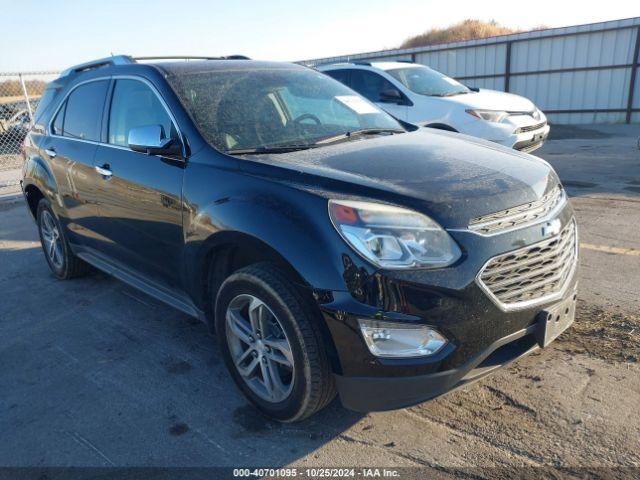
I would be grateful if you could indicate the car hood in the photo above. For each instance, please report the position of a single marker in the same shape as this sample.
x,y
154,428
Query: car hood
x,y
492,100
450,176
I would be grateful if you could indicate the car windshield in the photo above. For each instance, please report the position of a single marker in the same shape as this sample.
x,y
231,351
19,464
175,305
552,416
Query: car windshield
x,y
425,81
269,106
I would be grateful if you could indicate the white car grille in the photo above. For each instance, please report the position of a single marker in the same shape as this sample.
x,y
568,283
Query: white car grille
x,y
531,128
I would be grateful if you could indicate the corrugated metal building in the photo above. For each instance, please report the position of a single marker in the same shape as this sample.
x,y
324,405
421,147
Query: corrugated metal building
x,y
578,74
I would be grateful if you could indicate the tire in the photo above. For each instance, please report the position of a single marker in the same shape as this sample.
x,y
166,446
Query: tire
x,y
303,389
62,261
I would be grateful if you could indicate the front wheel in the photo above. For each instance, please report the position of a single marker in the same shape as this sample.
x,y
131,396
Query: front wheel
x,y
272,345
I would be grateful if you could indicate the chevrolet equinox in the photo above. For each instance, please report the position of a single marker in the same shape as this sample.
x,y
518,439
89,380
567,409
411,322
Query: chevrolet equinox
x,y
330,247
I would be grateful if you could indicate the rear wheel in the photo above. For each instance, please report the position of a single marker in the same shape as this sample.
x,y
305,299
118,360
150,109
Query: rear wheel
x,y
62,262
272,345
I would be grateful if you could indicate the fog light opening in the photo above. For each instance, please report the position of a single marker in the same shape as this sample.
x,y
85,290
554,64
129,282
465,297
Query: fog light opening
x,y
399,340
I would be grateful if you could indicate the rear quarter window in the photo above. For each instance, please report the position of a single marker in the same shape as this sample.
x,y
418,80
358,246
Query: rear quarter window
x,y
59,120
43,105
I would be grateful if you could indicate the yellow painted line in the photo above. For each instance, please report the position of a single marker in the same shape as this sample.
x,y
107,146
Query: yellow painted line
x,y
606,248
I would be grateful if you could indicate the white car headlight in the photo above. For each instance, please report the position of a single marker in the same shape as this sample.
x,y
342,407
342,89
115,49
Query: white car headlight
x,y
393,237
537,114
388,339
488,115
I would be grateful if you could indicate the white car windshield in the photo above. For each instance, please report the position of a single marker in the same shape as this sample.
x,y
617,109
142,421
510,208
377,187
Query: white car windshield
x,y
425,81
265,107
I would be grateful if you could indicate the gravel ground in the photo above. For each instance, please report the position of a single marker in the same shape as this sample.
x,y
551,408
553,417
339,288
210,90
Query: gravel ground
x,y
93,373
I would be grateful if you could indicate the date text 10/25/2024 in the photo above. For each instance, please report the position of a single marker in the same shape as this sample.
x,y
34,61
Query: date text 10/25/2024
x,y
316,472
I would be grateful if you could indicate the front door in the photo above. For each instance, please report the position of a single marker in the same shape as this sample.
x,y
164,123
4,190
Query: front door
x,y
140,196
371,86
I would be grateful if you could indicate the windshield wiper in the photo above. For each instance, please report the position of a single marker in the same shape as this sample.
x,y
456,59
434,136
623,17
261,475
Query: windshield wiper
x,y
270,149
357,133
450,94
305,146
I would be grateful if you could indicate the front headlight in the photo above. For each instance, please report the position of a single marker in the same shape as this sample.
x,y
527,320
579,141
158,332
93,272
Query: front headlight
x,y
537,114
393,237
488,115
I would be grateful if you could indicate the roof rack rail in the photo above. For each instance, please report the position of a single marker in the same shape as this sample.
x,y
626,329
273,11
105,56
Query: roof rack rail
x,y
101,62
405,60
128,60
192,57
345,62
176,57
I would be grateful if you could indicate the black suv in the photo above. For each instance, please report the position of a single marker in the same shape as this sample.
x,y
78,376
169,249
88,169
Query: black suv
x,y
330,247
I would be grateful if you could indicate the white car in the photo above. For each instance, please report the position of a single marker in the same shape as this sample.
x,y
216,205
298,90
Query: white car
x,y
422,96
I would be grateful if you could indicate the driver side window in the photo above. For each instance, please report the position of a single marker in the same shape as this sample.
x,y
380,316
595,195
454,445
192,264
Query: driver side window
x,y
134,104
370,85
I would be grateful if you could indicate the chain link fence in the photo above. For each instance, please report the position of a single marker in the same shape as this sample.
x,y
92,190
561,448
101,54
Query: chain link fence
x,y
19,97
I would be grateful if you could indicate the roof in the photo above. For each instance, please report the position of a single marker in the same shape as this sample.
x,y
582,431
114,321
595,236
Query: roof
x,y
185,68
380,65
392,65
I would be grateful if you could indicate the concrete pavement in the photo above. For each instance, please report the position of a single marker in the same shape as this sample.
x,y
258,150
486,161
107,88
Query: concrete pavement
x,y
94,373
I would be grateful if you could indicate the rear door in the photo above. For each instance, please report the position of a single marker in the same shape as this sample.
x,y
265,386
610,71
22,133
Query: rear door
x,y
140,203
70,148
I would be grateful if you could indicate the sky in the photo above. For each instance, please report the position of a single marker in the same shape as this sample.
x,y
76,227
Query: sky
x,y
54,34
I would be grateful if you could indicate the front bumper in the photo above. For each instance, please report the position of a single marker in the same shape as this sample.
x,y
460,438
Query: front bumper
x,y
526,141
367,394
482,336
530,141
519,132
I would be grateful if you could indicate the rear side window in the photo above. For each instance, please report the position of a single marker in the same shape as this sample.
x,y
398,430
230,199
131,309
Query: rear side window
x,y
340,75
369,84
133,105
83,111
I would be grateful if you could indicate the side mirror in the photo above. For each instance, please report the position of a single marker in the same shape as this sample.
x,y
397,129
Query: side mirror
x,y
390,96
150,139
473,89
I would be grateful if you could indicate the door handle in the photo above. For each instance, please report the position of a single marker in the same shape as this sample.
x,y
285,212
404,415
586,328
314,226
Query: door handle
x,y
104,170
51,152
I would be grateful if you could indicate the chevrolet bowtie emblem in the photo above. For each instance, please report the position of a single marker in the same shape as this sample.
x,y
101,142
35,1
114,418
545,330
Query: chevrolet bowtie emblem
x,y
551,228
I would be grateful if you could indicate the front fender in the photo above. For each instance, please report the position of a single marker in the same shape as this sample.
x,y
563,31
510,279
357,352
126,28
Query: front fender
x,y
288,220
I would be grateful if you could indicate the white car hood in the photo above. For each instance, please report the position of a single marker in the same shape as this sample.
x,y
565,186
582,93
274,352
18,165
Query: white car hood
x,y
493,100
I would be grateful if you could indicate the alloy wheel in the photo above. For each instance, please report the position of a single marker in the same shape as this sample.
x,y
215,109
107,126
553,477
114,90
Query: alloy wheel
x,y
259,348
51,240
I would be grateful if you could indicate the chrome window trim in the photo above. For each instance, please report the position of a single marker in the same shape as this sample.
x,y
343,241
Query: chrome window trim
x,y
535,301
114,77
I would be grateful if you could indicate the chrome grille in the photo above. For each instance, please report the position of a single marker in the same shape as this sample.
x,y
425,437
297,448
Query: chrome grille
x,y
533,274
531,128
520,216
528,146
